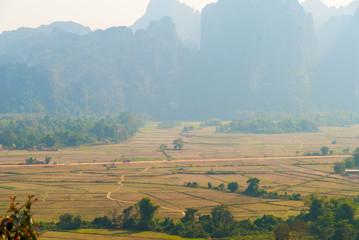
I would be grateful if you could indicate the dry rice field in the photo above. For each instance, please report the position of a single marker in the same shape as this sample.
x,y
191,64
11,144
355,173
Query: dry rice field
x,y
77,186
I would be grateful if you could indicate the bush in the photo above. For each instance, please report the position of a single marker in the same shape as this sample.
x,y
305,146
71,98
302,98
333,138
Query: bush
x,y
102,222
233,186
19,224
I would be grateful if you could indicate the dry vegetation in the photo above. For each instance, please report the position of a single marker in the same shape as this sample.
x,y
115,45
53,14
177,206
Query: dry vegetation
x,y
95,190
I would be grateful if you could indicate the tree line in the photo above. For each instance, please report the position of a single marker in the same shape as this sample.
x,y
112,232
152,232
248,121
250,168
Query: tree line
x,y
323,218
267,126
53,133
351,162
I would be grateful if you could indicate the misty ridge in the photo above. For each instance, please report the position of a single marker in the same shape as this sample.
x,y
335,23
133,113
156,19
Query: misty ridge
x,y
178,63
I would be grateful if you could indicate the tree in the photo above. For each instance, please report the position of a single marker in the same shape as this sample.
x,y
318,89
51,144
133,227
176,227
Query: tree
x,y
30,160
253,187
268,222
221,186
48,159
346,150
221,215
282,232
349,163
50,140
163,147
128,218
339,167
233,186
345,211
356,157
223,221
102,222
299,230
209,185
315,209
146,210
189,215
324,150
178,144
8,138
66,222
344,231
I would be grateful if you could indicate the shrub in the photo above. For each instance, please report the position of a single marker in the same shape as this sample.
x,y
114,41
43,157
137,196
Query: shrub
x,y
19,224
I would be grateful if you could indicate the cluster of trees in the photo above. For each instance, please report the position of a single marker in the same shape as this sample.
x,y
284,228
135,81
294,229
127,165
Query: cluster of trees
x,y
232,186
254,190
168,124
323,218
188,128
348,163
211,122
51,133
177,145
32,160
267,126
324,151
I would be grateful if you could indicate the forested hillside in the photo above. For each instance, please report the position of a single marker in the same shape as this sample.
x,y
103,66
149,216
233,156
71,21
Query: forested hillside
x,y
253,55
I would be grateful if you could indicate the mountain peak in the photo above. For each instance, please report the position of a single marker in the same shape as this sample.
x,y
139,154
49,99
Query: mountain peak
x,y
321,12
186,19
68,26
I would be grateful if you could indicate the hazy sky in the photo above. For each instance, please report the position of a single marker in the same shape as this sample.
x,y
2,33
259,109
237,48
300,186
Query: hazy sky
x,y
93,13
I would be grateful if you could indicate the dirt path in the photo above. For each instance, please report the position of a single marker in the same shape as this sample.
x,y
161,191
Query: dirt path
x,y
120,184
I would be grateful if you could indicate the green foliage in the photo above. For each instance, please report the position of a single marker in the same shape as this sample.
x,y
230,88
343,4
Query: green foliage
x,y
233,186
253,187
348,163
49,133
189,215
282,232
324,218
193,185
102,222
339,167
268,222
30,160
267,126
177,144
19,224
146,210
69,222
188,129
324,150
221,186
140,216
211,122
48,159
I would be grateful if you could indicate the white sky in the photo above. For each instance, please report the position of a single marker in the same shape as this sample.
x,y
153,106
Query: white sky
x,y
93,13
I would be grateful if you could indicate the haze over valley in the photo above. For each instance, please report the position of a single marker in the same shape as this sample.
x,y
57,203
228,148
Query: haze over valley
x,y
192,119
175,63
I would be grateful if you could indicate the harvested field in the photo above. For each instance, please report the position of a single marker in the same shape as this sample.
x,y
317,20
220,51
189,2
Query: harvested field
x,y
91,187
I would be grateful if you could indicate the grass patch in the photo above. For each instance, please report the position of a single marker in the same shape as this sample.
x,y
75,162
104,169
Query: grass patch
x,y
8,187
